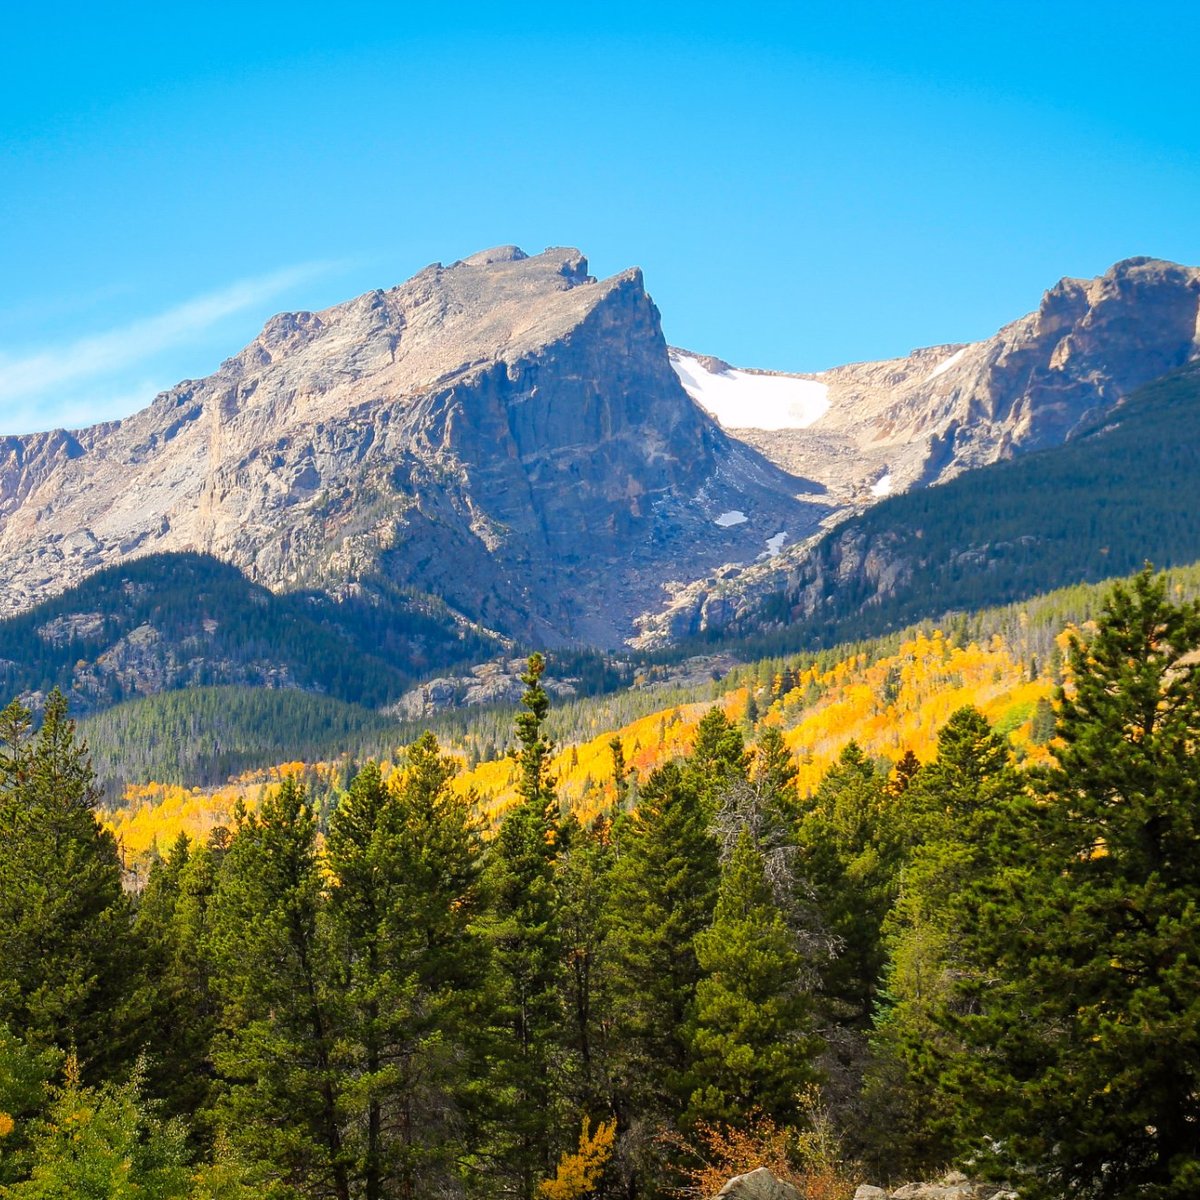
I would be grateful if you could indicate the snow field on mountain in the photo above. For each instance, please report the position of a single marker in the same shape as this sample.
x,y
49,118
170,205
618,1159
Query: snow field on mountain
x,y
944,366
741,400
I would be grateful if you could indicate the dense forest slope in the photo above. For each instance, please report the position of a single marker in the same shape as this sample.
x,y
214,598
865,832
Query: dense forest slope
x,y
170,621
1124,490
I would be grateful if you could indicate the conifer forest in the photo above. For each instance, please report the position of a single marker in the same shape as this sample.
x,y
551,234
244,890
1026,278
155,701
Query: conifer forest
x,y
969,951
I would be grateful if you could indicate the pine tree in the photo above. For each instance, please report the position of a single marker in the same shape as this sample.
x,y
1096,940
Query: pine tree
x,y
404,858
661,896
903,773
67,967
718,758
620,772
1091,931
525,938
749,1032
178,1001
274,974
954,809
848,858
583,877
775,771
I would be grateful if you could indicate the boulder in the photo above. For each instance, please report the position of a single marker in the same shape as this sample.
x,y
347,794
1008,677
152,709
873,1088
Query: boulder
x,y
758,1185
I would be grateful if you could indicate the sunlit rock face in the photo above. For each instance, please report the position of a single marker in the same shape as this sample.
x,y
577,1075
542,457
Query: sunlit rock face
x,y
505,433
868,429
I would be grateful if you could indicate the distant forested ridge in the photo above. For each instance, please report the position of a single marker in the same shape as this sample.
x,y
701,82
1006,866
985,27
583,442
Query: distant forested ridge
x,y
169,621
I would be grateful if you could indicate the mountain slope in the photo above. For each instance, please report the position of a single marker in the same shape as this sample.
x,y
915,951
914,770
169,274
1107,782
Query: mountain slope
x,y
1125,490
170,621
505,433
870,429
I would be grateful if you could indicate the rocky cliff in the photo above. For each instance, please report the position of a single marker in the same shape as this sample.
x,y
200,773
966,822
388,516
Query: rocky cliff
x,y
512,436
505,433
871,429
1124,490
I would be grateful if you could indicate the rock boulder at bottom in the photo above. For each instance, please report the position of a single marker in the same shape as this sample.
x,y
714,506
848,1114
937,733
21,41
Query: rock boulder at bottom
x,y
758,1185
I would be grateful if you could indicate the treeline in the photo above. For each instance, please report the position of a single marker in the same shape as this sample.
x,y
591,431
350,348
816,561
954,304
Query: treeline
x,y
960,962
203,736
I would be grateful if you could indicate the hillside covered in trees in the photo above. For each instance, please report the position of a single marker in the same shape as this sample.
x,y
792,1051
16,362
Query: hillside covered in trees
x,y
1122,490
185,620
985,953
889,694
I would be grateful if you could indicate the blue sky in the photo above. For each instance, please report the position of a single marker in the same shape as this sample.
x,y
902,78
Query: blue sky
x,y
804,185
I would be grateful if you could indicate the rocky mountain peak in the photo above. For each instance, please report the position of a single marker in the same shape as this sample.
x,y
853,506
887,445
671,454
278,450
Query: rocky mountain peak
x,y
505,432
887,426
497,254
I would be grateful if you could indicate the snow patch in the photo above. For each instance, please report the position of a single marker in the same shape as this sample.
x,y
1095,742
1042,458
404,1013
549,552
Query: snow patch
x,y
883,485
946,365
775,544
741,400
734,517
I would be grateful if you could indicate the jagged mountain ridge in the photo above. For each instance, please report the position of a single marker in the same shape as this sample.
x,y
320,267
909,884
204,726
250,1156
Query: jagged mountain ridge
x,y
511,436
1124,490
926,418
505,433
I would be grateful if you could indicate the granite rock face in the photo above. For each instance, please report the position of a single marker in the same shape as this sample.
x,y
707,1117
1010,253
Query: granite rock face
x,y
509,434
945,409
894,426
505,433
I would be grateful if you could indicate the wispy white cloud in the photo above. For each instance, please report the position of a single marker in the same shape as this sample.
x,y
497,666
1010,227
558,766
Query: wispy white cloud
x,y
79,407
26,377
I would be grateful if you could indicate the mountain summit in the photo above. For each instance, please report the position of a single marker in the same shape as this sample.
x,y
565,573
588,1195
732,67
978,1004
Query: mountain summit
x,y
869,429
505,433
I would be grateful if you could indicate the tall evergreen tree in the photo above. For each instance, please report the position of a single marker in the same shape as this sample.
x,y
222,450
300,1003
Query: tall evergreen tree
x,y
67,965
404,858
583,877
749,1031
775,772
718,758
848,859
178,1001
274,974
955,810
1089,1018
525,939
662,894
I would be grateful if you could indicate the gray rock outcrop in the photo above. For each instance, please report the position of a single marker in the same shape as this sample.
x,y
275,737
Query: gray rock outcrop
x,y
953,1187
759,1184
